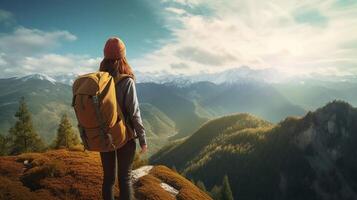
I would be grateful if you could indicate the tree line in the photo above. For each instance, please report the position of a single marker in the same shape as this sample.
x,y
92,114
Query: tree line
x,y
22,136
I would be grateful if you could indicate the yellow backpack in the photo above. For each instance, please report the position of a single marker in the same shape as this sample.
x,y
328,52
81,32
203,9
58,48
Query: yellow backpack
x,y
100,120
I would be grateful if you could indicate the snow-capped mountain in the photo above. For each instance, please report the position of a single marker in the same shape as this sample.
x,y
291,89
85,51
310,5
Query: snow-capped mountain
x,y
38,77
242,74
62,78
234,75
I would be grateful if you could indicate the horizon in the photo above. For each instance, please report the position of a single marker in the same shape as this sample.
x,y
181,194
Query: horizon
x,y
243,74
180,37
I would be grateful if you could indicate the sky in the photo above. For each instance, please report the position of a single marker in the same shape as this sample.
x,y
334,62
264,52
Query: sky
x,y
187,37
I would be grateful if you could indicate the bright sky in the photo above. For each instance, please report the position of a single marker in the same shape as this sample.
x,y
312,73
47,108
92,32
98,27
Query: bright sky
x,y
180,36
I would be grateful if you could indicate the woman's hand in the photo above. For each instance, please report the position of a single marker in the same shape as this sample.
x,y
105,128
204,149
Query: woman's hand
x,y
144,148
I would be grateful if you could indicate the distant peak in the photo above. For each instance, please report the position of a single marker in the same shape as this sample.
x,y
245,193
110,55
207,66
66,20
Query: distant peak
x,y
335,106
38,76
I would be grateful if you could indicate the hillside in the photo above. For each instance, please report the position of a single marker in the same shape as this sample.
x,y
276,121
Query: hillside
x,y
156,123
312,157
178,153
158,126
63,174
47,101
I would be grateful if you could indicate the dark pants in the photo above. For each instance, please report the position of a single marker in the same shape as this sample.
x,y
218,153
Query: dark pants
x,y
120,160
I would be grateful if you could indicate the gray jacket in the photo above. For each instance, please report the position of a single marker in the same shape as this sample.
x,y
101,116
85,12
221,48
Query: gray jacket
x,y
128,102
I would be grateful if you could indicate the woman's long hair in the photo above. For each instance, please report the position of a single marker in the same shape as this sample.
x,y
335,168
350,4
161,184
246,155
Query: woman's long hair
x,y
116,67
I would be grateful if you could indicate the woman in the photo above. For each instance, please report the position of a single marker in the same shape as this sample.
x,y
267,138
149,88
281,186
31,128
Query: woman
x,y
116,64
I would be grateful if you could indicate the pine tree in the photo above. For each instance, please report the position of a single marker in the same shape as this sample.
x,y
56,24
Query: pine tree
x,y
66,136
226,189
4,145
22,134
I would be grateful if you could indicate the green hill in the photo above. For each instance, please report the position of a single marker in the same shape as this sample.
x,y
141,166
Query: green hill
x,y
312,157
187,150
156,123
158,126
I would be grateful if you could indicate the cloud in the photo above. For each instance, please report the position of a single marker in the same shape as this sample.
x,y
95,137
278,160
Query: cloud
x,y
23,41
26,51
179,66
294,37
190,3
54,64
51,64
204,57
177,11
291,36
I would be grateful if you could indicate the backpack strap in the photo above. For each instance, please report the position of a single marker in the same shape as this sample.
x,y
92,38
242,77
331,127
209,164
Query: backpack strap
x,y
80,127
102,130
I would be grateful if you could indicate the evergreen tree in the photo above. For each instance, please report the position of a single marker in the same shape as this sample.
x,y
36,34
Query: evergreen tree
x,y
66,137
201,185
4,145
22,134
226,189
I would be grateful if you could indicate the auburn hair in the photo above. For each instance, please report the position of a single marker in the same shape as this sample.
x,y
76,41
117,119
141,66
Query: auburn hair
x,y
116,67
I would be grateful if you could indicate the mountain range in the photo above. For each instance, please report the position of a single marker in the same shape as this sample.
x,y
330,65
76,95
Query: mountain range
x,y
166,108
177,108
309,157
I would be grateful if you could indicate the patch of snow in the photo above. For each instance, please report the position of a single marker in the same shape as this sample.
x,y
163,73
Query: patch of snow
x,y
140,172
144,170
39,77
169,189
27,164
